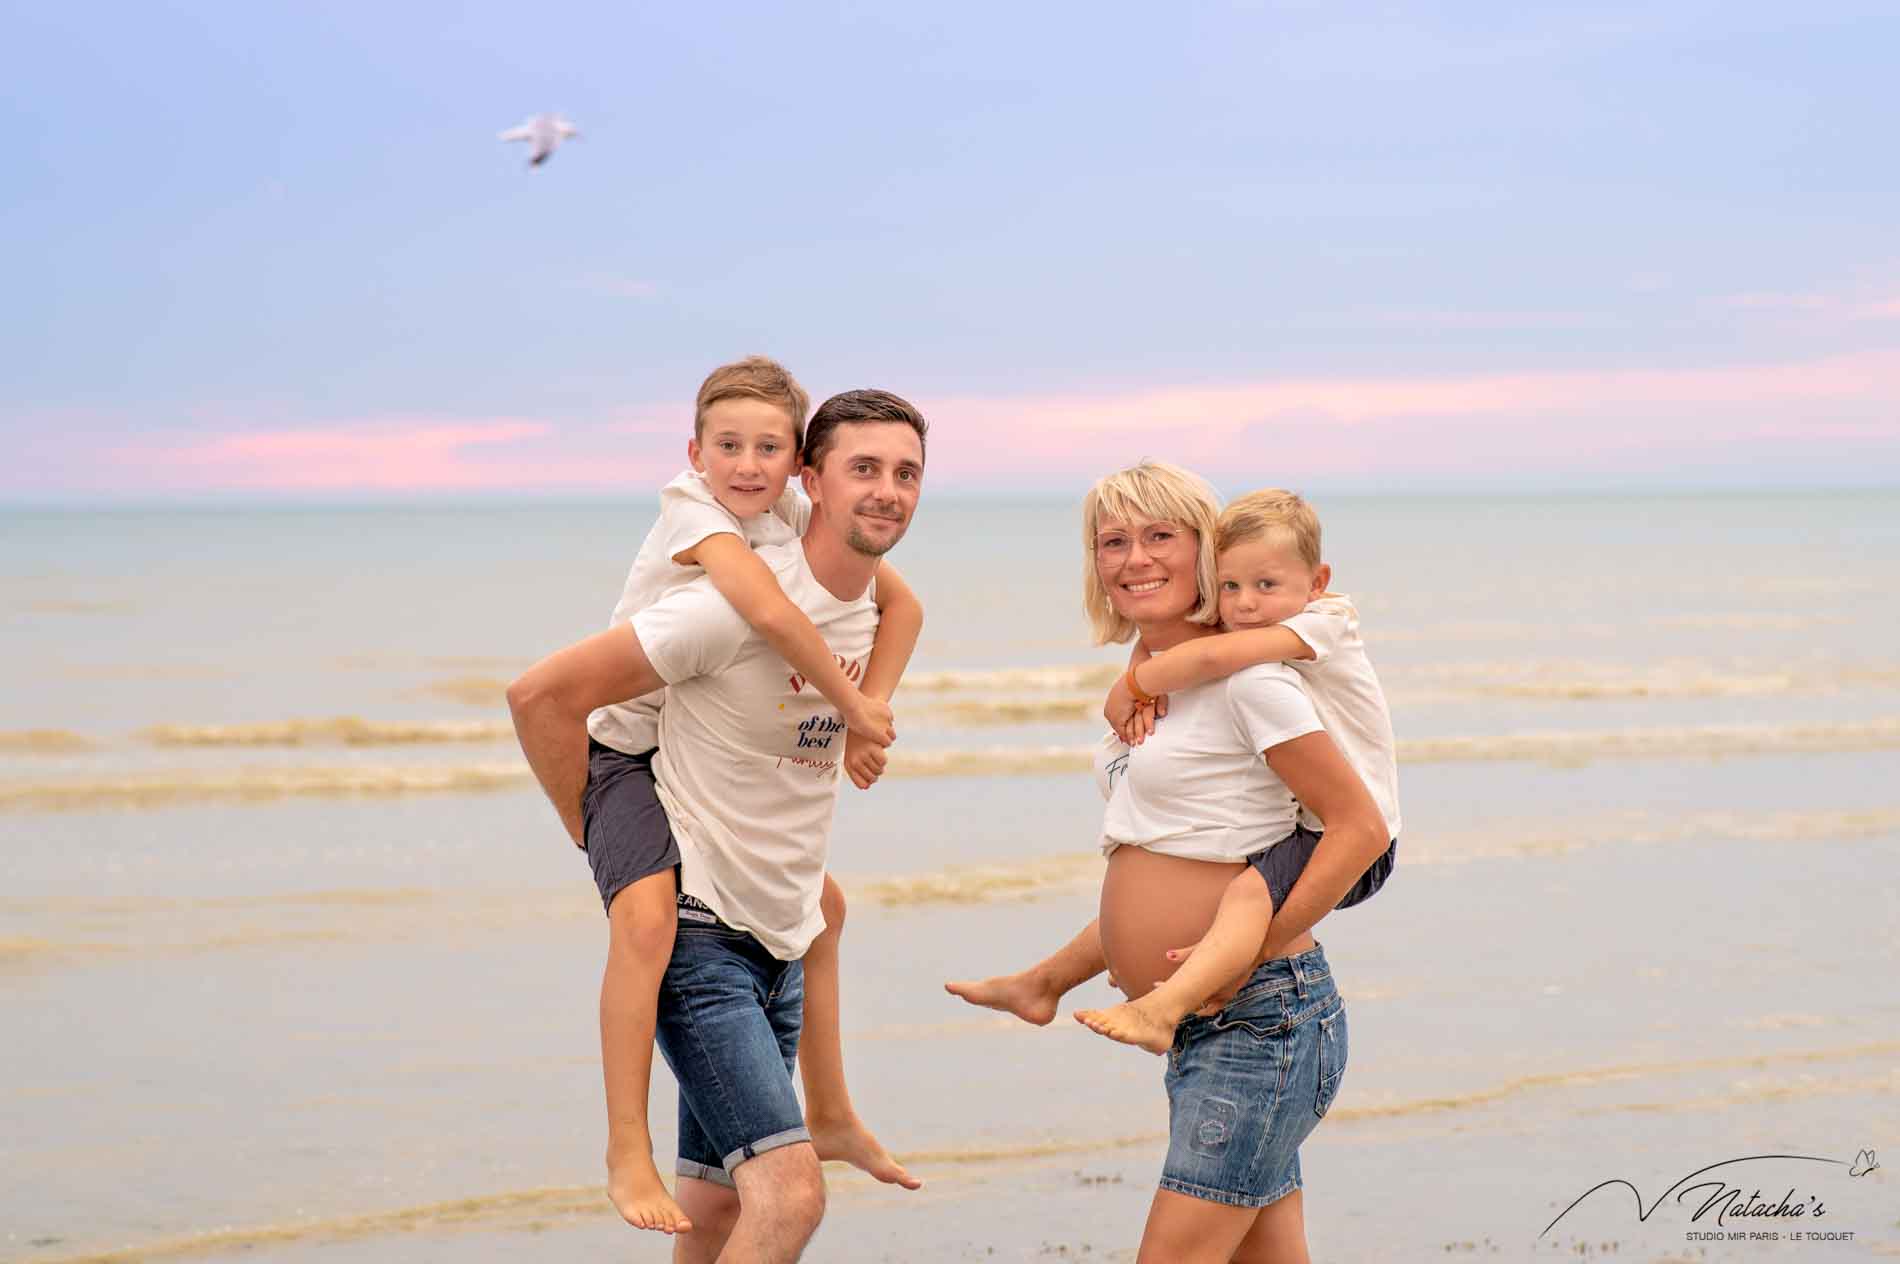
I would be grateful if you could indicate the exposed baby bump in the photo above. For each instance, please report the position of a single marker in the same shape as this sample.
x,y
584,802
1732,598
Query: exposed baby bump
x,y
1151,903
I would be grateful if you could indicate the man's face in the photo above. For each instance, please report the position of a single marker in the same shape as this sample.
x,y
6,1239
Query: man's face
x,y
867,489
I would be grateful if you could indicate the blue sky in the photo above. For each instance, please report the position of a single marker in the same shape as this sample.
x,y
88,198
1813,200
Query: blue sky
x,y
265,248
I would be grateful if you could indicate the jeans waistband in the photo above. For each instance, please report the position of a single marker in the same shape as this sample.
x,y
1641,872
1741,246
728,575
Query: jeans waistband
x,y
1299,974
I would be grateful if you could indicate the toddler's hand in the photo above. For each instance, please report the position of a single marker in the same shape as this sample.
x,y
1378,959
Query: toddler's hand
x,y
864,760
872,718
1120,708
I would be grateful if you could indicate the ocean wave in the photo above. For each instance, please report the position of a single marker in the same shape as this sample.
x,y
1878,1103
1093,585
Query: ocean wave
x,y
256,785
1016,680
1571,748
44,742
1021,710
346,730
476,691
982,884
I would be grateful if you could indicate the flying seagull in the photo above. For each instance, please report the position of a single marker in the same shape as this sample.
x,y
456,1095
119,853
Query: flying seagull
x,y
543,132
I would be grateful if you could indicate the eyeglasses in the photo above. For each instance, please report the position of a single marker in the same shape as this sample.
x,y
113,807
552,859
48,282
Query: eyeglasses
x,y
1156,537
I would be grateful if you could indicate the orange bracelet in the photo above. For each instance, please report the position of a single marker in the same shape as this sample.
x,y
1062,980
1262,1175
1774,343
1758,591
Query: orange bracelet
x,y
1134,686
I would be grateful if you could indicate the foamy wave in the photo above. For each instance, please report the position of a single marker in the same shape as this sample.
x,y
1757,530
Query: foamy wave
x,y
993,761
476,691
44,742
981,884
347,730
1576,748
1020,710
255,785
1097,676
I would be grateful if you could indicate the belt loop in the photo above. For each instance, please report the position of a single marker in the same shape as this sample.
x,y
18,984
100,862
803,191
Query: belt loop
x,y
1299,977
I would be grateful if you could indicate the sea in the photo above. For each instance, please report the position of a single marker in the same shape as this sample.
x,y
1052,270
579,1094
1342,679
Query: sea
x,y
296,963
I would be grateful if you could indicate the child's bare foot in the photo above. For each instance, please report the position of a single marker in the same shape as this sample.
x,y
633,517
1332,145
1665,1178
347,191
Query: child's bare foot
x,y
849,1140
1023,995
1132,1023
633,1183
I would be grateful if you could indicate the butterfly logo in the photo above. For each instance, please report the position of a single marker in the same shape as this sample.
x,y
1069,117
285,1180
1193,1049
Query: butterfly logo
x,y
1864,1162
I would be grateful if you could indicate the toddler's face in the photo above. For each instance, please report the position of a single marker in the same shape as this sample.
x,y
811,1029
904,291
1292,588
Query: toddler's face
x,y
745,451
1263,581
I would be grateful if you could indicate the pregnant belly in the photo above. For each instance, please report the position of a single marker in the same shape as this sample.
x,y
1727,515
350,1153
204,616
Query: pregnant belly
x,y
1151,903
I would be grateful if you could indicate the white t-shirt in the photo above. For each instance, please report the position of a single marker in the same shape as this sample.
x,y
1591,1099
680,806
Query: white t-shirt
x,y
1198,787
688,514
1346,693
749,750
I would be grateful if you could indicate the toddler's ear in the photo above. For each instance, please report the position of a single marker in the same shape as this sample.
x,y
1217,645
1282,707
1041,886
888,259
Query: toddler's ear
x,y
1322,579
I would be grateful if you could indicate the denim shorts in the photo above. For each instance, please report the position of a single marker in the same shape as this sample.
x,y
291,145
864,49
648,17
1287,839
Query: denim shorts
x,y
623,825
1248,1084
1282,864
728,1024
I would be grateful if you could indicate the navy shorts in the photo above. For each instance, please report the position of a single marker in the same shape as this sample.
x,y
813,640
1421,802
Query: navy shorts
x,y
1247,1085
729,1020
1283,863
627,834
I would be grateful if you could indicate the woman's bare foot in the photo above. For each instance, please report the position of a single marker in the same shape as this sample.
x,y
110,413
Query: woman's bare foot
x,y
849,1140
1132,1023
1024,995
633,1183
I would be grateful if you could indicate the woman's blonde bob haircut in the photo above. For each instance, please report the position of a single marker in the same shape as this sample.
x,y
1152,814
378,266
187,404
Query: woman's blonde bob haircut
x,y
1153,491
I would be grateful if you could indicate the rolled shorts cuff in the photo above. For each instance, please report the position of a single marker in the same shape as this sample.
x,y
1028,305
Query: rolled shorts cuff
x,y
1228,1197
752,1150
700,1172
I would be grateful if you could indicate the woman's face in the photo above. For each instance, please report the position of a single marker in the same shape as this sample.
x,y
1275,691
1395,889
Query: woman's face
x,y
1149,568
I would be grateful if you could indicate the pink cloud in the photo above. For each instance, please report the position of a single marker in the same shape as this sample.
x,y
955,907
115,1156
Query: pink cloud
x,y
1489,423
397,455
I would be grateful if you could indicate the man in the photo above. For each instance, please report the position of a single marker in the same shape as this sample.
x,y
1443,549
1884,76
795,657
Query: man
x,y
748,772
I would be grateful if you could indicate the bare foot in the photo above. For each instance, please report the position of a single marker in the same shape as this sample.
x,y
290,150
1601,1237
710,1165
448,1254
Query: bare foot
x,y
1132,1023
1020,994
633,1183
851,1141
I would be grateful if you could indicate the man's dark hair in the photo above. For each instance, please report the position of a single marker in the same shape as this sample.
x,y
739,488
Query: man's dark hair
x,y
856,406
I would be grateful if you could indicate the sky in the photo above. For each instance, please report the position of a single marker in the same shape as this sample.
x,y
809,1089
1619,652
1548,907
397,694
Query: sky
x,y
274,251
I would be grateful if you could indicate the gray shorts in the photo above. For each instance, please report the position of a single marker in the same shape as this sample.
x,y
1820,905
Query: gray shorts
x,y
1283,863
628,835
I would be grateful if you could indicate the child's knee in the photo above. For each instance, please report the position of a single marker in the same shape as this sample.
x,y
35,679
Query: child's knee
x,y
644,915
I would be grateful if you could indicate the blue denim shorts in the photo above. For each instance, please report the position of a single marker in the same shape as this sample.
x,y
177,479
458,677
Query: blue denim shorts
x,y
1248,1084
728,1024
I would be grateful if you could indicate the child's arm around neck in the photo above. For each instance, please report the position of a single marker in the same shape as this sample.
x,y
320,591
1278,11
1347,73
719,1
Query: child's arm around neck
x,y
748,583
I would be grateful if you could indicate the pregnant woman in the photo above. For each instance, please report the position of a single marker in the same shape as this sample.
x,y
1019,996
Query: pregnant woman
x,y
1223,776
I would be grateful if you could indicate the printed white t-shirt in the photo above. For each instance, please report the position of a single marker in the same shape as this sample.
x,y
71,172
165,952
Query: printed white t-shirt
x,y
688,514
1346,693
1198,787
749,750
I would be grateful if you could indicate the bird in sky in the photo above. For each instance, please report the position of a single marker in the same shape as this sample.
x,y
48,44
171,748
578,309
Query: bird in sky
x,y
544,133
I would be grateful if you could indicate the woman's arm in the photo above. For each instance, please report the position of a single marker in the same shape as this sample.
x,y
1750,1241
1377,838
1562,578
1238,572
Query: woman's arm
x,y
753,590
1354,837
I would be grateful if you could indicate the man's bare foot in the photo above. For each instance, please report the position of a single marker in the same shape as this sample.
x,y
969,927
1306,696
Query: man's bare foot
x,y
851,1141
1132,1023
1022,994
633,1183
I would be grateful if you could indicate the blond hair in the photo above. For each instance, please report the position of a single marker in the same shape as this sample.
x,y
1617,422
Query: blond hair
x,y
1271,512
755,377
1152,491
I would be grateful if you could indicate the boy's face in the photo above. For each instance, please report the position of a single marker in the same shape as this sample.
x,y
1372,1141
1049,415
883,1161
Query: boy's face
x,y
745,451
1263,581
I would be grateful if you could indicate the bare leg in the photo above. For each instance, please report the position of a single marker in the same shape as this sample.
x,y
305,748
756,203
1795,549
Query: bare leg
x,y
836,1130
1278,1235
1231,944
715,1210
781,1199
1032,994
640,927
1183,1230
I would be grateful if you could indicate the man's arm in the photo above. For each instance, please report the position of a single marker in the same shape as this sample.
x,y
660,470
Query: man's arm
x,y
1322,780
551,701
900,621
